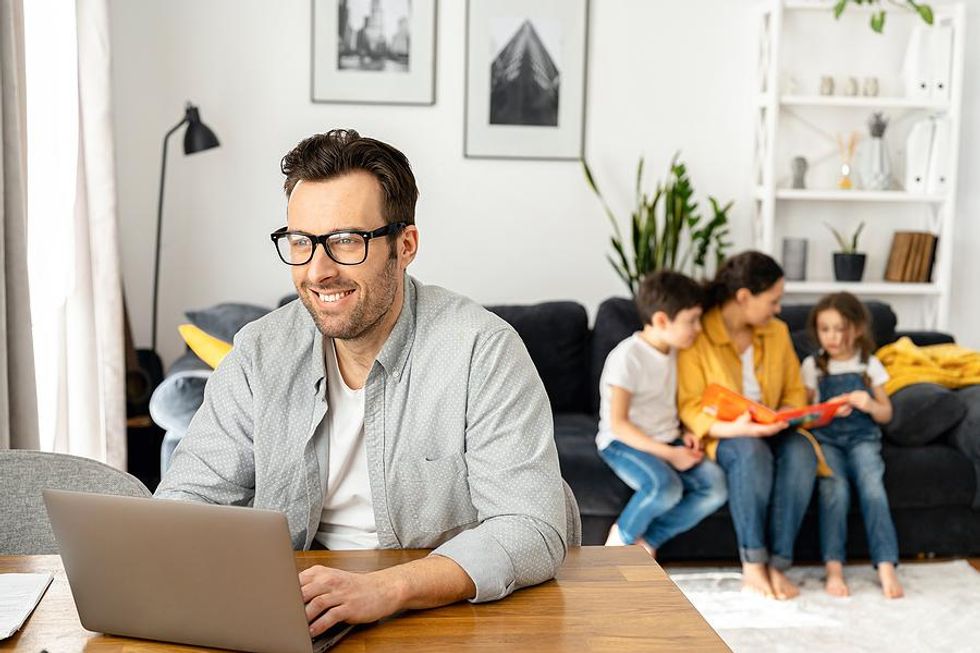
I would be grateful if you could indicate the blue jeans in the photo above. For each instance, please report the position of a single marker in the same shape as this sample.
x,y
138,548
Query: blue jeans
x,y
666,502
860,464
769,479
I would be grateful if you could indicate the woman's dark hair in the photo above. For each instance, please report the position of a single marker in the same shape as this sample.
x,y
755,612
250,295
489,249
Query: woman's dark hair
x,y
854,314
341,151
754,271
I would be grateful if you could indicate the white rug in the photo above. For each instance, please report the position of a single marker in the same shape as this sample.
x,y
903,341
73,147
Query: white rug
x,y
940,610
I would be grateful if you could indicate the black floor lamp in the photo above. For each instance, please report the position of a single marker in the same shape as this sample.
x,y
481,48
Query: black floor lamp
x,y
197,138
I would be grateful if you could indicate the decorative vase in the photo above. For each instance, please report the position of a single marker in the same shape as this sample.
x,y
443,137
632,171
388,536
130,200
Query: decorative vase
x,y
848,267
878,171
794,259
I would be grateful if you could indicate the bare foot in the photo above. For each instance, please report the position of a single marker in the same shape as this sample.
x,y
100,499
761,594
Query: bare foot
x,y
890,586
835,580
782,587
756,580
646,547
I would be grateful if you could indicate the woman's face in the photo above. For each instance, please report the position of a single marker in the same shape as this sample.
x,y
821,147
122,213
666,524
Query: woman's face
x,y
760,308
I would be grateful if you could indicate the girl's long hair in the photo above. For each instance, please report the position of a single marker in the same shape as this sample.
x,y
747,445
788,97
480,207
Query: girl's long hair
x,y
854,314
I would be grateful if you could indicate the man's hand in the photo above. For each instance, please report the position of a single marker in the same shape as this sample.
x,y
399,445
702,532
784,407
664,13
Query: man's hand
x,y
332,595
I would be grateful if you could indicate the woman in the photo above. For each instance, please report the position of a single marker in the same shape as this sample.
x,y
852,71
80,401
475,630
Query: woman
x,y
771,469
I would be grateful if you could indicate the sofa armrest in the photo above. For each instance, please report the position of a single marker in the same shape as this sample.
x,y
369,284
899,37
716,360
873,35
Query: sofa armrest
x,y
924,338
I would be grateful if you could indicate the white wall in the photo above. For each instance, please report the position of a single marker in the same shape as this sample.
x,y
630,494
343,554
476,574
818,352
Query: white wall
x,y
663,75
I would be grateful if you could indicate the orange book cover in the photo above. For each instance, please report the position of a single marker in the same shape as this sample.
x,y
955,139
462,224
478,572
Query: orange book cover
x,y
725,404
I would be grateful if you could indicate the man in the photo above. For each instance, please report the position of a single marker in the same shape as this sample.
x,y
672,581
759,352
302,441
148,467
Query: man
x,y
377,411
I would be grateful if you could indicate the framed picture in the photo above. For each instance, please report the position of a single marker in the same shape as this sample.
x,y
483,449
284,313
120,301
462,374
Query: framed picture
x,y
525,78
374,51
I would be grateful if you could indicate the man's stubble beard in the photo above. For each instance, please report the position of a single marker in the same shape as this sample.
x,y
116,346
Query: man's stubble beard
x,y
364,317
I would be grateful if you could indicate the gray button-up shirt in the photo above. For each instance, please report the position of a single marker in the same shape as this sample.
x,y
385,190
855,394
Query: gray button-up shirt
x,y
457,428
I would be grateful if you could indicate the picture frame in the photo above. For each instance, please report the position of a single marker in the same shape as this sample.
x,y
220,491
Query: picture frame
x,y
373,51
526,69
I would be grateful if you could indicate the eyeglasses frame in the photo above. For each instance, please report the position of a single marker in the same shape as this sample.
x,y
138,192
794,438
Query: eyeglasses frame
x,y
386,230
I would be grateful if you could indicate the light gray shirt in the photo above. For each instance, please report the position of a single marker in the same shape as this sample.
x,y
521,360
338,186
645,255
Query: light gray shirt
x,y
457,428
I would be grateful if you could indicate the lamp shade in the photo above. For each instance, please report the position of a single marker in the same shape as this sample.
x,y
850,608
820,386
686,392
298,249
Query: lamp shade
x,y
198,136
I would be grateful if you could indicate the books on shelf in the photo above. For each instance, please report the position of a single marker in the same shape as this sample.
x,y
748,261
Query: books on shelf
x,y
912,257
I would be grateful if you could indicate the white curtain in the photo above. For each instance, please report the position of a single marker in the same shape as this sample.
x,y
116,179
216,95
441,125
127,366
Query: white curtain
x,y
76,288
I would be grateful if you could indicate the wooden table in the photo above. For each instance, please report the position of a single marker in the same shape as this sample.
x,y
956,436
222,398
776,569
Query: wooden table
x,y
612,599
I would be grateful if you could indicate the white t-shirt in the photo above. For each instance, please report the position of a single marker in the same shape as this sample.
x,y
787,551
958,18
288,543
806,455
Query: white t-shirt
x,y
750,384
347,518
651,377
873,368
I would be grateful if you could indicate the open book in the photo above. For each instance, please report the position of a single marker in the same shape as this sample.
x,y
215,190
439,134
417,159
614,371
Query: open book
x,y
725,404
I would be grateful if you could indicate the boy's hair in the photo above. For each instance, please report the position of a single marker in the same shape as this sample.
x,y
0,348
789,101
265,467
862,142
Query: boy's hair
x,y
667,292
854,314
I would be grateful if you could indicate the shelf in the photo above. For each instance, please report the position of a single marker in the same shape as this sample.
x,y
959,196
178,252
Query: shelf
x,y
861,288
861,101
834,195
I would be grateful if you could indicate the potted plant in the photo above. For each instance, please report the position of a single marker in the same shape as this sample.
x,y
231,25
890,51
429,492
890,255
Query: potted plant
x,y
667,231
848,262
878,12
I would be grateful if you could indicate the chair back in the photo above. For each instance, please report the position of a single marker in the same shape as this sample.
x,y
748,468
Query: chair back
x,y
24,527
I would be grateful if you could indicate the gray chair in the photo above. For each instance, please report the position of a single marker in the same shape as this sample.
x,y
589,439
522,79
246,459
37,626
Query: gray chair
x,y
573,520
24,527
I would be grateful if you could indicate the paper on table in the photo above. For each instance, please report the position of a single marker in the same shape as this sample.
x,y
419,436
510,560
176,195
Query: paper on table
x,y
19,595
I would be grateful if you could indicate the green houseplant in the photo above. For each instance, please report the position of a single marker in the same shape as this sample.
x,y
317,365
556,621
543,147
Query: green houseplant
x,y
666,229
848,262
878,13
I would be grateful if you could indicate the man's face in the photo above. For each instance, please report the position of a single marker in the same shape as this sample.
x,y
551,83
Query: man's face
x,y
348,301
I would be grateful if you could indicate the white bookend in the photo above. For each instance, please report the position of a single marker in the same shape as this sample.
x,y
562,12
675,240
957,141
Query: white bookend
x,y
942,59
936,181
917,154
917,69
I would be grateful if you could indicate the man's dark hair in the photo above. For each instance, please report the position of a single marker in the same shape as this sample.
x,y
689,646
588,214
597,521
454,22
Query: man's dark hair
x,y
342,151
669,292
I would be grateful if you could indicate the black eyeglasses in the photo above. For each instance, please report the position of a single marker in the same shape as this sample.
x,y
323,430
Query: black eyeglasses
x,y
344,247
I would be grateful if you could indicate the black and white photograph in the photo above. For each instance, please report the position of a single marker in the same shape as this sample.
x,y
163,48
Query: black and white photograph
x,y
525,86
373,51
374,35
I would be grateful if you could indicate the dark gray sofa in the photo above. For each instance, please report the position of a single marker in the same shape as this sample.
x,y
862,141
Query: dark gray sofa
x,y
931,477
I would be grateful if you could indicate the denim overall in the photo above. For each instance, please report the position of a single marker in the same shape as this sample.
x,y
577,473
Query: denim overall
x,y
852,446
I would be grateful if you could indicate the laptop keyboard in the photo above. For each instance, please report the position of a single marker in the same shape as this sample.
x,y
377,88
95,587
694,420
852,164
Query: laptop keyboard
x,y
333,635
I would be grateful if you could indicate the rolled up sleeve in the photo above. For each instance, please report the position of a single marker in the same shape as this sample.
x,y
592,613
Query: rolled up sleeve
x,y
513,473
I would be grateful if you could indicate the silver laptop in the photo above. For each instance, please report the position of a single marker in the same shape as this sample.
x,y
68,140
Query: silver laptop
x,y
184,572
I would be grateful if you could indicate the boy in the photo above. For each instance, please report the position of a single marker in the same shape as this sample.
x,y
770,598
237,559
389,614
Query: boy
x,y
639,432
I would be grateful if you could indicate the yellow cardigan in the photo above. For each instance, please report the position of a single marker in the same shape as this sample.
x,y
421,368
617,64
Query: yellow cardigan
x,y
713,359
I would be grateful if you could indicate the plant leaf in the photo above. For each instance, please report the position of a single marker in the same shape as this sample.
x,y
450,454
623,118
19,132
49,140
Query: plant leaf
x,y
878,21
595,189
839,8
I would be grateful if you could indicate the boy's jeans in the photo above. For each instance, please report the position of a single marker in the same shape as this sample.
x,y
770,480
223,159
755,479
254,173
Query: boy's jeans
x,y
666,502
768,478
859,463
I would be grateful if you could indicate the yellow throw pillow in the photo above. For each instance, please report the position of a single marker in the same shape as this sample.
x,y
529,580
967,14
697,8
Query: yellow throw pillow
x,y
209,349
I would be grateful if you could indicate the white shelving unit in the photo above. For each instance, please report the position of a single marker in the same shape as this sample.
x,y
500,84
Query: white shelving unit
x,y
775,105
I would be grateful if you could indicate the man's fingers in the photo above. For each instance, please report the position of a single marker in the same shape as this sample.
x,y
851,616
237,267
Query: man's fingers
x,y
319,604
326,620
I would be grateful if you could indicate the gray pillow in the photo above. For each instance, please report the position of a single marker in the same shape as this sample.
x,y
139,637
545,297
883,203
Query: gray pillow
x,y
223,321
966,436
921,413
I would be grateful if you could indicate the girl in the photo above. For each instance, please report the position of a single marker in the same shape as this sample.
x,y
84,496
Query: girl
x,y
845,367
770,468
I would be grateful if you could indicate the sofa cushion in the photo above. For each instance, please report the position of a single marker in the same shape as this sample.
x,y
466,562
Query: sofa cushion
x,y
615,321
927,477
223,321
597,489
921,413
556,335
966,436
795,316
